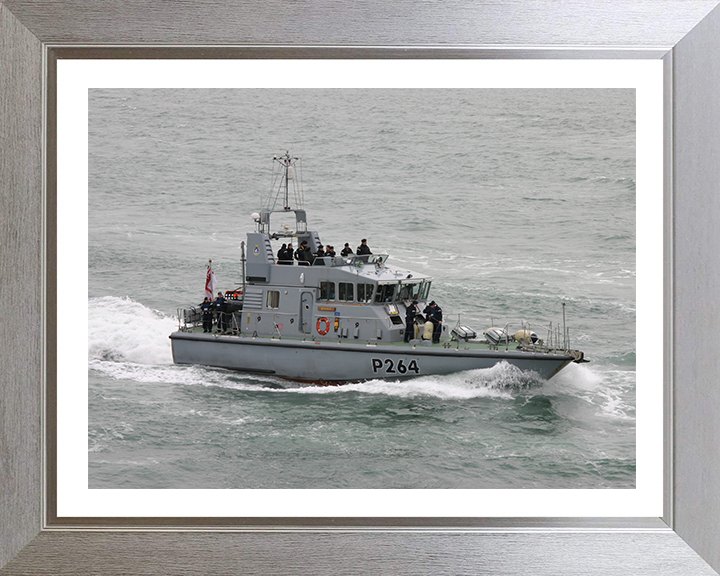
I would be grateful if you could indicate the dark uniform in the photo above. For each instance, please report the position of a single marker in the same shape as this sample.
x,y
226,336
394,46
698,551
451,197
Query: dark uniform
x,y
289,255
282,255
307,255
434,314
207,314
219,306
319,254
410,314
347,251
303,254
363,248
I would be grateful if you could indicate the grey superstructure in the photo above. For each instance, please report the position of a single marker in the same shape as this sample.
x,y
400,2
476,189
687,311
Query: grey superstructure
x,y
340,319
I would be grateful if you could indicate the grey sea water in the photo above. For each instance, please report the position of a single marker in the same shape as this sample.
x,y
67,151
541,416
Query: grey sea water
x,y
514,200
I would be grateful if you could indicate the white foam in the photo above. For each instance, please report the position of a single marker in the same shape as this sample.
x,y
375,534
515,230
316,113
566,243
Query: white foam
x,y
177,374
496,382
120,329
575,377
604,389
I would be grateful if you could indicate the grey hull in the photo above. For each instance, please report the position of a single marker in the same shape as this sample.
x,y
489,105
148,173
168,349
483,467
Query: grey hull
x,y
347,362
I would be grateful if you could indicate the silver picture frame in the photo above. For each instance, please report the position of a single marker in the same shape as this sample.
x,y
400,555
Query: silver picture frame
x,y
684,34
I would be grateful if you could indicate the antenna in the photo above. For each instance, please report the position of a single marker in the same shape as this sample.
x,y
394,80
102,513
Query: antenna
x,y
287,173
242,260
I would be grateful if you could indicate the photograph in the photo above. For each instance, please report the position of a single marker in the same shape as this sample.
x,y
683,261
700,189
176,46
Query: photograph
x,y
362,288
398,288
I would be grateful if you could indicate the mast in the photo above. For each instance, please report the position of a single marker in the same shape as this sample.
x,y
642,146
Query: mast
x,y
286,168
280,191
288,173
286,205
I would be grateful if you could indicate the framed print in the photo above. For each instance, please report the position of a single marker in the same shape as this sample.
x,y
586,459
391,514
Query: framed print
x,y
515,431
37,536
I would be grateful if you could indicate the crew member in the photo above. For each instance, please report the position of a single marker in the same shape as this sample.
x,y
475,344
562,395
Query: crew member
x,y
207,314
410,313
219,306
363,248
319,254
303,254
347,251
434,315
289,254
282,254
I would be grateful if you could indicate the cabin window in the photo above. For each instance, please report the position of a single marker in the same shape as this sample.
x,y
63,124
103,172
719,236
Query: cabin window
x,y
385,293
345,292
364,292
273,299
409,291
424,291
327,291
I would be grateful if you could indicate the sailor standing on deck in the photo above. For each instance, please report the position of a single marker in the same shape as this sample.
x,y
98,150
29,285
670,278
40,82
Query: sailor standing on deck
x,y
207,314
289,254
282,254
303,254
363,248
434,315
410,313
346,251
219,306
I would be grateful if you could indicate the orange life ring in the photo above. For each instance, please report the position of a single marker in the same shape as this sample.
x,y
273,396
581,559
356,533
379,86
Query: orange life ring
x,y
326,329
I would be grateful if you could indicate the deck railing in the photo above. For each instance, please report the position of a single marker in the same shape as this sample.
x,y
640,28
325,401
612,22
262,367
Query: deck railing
x,y
352,260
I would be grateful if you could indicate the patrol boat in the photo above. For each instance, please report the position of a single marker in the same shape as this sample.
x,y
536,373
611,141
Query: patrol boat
x,y
339,319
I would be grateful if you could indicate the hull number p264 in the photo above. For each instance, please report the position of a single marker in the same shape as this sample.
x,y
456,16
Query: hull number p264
x,y
388,366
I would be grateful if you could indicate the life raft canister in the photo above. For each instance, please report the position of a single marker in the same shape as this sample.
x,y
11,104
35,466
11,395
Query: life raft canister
x,y
428,330
325,323
526,337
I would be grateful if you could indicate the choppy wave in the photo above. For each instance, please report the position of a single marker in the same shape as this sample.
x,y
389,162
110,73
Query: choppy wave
x,y
498,382
610,393
121,330
627,182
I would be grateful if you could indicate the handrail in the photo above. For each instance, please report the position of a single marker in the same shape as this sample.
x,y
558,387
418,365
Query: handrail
x,y
189,318
195,319
333,261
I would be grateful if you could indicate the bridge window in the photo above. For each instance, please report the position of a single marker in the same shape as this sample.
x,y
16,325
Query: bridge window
x,y
409,291
345,292
364,292
385,293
